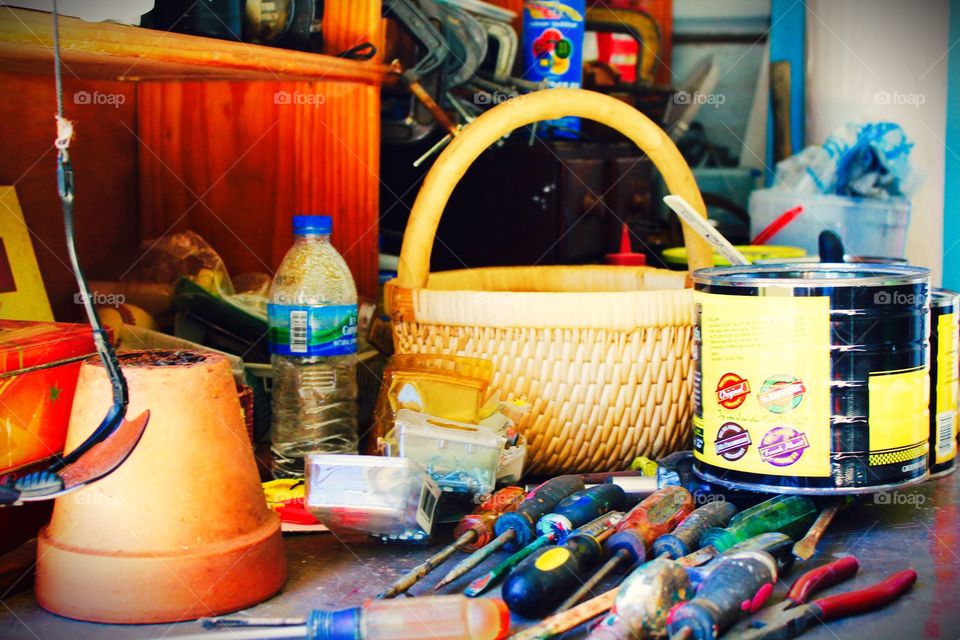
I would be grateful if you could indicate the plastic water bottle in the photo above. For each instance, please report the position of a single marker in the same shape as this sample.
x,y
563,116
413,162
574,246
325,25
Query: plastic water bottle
x,y
313,344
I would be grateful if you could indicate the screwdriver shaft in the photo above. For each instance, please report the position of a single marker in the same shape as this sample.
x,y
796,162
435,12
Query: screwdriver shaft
x,y
588,586
467,564
562,622
226,622
806,547
416,574
488,579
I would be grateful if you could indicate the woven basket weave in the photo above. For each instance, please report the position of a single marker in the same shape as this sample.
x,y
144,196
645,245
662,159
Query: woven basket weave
x,y
602,353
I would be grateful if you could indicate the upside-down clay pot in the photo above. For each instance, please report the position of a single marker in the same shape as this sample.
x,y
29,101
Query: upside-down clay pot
x,y
181,529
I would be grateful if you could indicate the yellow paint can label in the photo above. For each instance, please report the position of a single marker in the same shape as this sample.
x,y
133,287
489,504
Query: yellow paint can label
x,y
765,384
552,558
946,409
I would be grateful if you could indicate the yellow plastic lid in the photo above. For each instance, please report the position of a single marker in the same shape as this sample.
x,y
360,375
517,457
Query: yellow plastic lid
x,y
677,256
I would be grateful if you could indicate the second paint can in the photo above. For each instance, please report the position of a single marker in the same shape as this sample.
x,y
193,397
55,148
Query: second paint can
x,y
944,314
812,378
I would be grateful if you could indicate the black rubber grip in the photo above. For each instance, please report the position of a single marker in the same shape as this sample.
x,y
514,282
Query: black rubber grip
x,y
539,503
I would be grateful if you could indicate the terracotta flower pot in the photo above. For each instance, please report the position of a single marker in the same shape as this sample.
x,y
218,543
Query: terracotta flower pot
x,y
181,529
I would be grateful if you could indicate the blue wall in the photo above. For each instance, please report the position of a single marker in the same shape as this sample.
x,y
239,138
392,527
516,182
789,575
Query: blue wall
x,y
951,190
788,26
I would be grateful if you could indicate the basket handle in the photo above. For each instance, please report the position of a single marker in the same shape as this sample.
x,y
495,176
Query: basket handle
x,y
414,268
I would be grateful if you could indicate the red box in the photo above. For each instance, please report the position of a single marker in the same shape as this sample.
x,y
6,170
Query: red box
x,y
39,365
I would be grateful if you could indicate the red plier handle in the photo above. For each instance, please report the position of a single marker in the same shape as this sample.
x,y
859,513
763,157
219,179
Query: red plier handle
x,y
821,578
863,600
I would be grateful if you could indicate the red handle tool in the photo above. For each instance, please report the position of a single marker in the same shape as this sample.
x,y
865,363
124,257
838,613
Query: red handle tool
x,y
783,622
819,579
873,597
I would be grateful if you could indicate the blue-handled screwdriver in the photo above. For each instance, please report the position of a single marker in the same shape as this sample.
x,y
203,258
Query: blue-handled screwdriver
x,y
574,511
515,529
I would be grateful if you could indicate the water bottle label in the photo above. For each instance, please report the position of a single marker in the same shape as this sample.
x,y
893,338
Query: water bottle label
x,y
312,331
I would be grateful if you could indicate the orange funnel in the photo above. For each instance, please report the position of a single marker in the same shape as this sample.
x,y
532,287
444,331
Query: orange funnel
x,y
180,530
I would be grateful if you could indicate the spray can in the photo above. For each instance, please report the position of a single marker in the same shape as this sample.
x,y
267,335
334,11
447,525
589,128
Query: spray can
x,y
553,49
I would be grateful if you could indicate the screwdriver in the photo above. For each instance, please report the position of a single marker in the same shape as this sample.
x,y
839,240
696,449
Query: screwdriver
x,y
573,511
541,581
685,538
644,600
806,546
682,541
602,526
655,516
473,531
645,597
739,585
779,545
787,514
566,620
515,529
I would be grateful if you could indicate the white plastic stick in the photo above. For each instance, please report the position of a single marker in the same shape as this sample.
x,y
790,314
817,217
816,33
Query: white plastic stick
x,y
699,224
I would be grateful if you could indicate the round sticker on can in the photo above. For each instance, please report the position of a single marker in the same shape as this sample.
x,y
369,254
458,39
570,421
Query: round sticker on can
x,y
781,393
782,446
732,390
732,441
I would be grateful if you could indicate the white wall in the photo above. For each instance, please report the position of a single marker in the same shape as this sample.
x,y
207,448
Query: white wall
x,y
872,60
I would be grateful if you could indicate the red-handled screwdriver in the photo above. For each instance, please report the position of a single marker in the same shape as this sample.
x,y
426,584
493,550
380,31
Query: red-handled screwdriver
x,y
473,531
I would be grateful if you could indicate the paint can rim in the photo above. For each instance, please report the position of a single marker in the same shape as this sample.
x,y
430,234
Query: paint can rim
x,y
812,275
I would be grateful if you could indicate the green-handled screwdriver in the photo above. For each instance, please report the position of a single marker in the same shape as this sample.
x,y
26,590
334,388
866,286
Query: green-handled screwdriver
x,y
581,509
656,515
791,515
473,531
515,529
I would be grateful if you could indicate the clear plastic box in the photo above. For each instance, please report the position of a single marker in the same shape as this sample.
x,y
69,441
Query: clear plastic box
x,y
386,497
868,227
459,457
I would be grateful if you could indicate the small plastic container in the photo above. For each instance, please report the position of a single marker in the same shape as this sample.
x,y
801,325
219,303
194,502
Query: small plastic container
x,y
459,457
392,498
868,227
512,461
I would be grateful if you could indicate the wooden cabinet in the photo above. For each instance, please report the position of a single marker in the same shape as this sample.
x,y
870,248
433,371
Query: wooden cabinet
x,y
177,132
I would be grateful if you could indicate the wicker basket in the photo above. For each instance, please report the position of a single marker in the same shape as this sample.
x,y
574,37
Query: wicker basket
x,y
602,353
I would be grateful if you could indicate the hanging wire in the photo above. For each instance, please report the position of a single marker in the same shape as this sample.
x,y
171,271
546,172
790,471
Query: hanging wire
x,y
65,187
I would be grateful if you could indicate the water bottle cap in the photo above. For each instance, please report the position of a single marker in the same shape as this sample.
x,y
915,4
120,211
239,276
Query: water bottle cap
x,y
312,224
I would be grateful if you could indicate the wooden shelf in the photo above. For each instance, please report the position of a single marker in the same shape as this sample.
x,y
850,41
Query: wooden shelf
x,y
118,52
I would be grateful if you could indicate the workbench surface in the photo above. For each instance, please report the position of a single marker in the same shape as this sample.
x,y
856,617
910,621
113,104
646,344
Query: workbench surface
x,y
917,527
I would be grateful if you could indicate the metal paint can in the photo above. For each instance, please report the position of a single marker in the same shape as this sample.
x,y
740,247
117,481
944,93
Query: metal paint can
x,y
812,378
944,315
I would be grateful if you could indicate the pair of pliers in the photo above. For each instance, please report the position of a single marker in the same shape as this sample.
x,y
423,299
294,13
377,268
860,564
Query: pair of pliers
x,y
796,614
